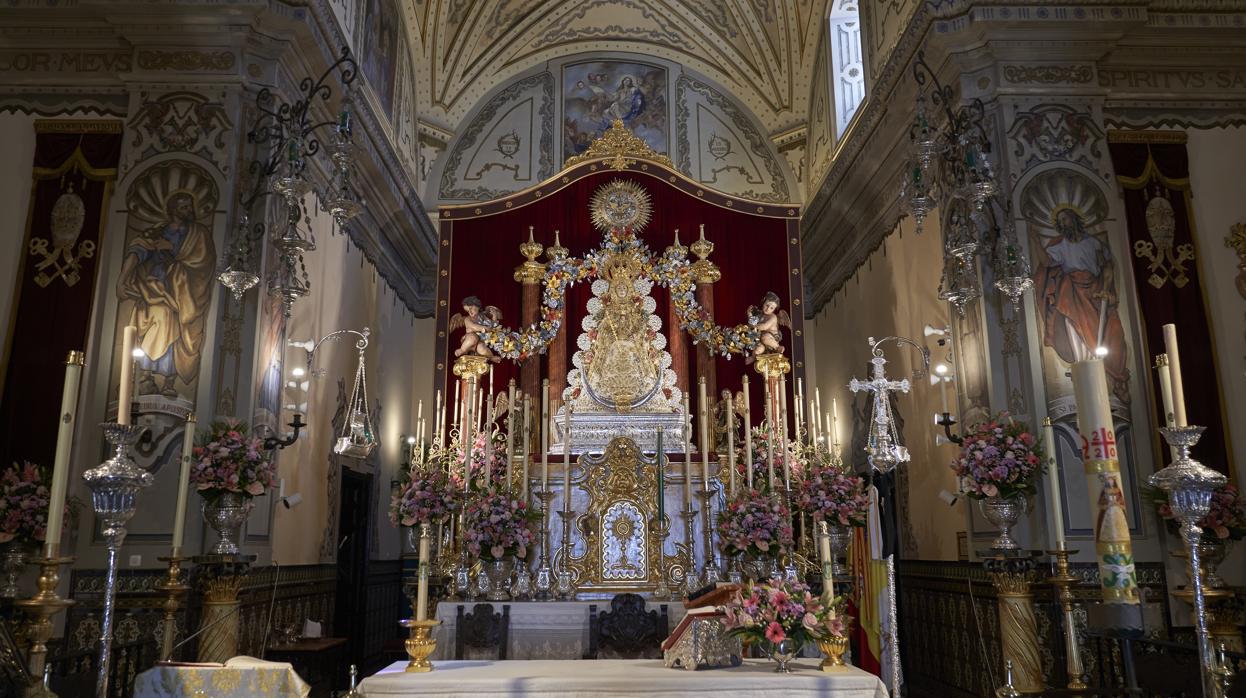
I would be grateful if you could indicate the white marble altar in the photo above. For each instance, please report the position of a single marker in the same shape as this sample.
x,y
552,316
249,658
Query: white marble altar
x,y
619,677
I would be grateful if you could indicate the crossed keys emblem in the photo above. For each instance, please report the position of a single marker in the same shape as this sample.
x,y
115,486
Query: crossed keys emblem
x,y
63,261
1167,261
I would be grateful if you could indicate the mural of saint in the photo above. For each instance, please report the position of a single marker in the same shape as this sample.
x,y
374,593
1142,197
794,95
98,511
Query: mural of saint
x,y
595,94
380,43
167,277
1075,276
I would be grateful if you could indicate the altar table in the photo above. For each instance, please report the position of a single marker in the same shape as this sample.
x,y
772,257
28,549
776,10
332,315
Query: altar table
x,y
619,677
538,629
240,677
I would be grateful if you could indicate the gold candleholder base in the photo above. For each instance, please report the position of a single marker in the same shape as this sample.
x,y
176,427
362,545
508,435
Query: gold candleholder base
x,y
1063,581
173,589
421,645
834,649
41,607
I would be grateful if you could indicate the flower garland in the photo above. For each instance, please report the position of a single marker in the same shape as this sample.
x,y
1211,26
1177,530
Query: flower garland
x,y
497,525
24,501
836,496
672,270
425,497
229,459
1225,520
999,458
778,610
755,523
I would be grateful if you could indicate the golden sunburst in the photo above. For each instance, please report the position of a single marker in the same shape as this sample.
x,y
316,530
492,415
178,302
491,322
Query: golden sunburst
x,y
621,203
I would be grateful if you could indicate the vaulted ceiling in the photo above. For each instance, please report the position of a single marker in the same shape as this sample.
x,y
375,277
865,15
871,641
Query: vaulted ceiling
x,y
762,51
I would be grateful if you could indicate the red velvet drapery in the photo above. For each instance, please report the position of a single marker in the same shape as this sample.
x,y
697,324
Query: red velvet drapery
x,y
752,252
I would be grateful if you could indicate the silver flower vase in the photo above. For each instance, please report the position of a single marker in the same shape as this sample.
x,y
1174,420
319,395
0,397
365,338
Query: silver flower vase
x,y
499,574
14,557
841,536
783,653
1003,513
758,567
226,513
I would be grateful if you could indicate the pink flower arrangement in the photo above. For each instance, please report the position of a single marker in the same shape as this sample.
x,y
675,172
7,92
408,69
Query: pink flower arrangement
x,y
497,464
756,523
1226,520
230,459
24,500
777,610
760,463
498,525
999,458
425,497
836,496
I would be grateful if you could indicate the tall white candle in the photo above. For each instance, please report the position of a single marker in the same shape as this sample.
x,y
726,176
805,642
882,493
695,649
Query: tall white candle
x,y
705,437
60,464
566,456
798,404
510,435
748,437
490,396
439,416
687,454
421,597
1053,481
488,432
527,438
469,399
835,419
458,407
479,391
813,422
817,398
419,422
730,442
1174,372
183,485
828,563
1165,391
127,374
545,435
772,427
787,466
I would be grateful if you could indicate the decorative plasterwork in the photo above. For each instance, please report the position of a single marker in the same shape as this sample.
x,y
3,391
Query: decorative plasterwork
x,y
760,51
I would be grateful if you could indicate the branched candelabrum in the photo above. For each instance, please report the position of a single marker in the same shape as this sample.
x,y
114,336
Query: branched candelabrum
x,y
690,582
712,572
544,573
1189,485
114,486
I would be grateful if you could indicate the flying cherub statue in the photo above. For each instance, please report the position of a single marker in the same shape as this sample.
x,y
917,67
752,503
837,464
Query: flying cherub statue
x,y
767,321
478,318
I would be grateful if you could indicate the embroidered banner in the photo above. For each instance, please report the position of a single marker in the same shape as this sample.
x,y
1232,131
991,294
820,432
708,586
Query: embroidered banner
x,y
1153,170
75,167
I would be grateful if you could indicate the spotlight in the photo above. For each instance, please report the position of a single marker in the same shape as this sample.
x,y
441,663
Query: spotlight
x,y
949,498
1101,351
410,440
931,330
298,372
292,500
941,369
138,353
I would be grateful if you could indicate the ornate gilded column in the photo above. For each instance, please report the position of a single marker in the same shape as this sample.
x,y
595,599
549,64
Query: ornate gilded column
x,y
220,578
676,342
1012,572
558,348
706,273
529,276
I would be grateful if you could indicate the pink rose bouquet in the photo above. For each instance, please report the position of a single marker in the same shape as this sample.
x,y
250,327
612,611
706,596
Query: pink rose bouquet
x,y
774,611
229,459
424,497
1226,520
759,460
24,500
999,458
497,464
836,496
498,525
756,523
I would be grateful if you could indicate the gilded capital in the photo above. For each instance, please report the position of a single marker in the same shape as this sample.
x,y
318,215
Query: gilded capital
x,y
677,249
556,250
703,270
471,366
531,271
773,365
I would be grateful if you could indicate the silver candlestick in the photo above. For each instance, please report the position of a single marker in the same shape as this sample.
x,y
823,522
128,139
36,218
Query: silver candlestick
x,y
544,573
690,581
1189,485
711,573
566,586
114,486
660,528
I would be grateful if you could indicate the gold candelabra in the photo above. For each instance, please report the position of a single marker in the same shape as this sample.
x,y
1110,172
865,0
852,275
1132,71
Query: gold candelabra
x,y
1063,582
41,607
173,589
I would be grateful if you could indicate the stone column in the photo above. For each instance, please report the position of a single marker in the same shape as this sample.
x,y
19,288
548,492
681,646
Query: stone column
x,y
558,349
706,273
1012,575
220,580
529,276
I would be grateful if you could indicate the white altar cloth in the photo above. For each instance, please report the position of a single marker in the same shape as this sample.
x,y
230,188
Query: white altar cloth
x,y
619,677
538,629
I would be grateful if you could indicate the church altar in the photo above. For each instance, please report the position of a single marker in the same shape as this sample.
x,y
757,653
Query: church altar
x,y
538,629
620,677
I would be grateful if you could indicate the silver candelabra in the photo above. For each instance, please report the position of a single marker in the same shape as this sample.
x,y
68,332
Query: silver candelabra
x,y
712,573
544,573
114,486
